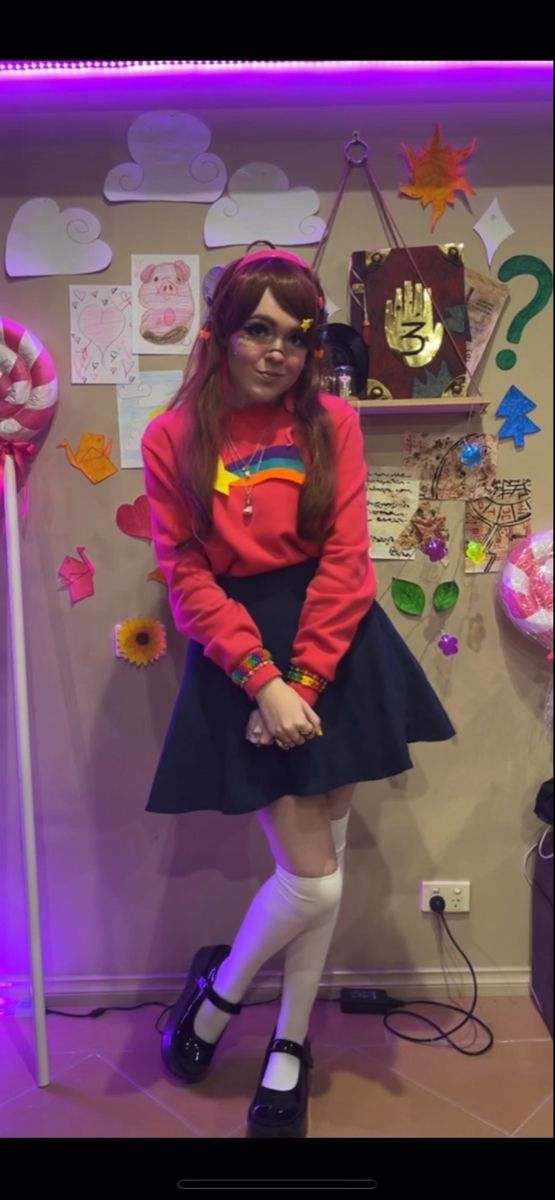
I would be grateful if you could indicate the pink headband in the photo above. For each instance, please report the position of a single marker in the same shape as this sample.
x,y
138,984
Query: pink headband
x,y
258,254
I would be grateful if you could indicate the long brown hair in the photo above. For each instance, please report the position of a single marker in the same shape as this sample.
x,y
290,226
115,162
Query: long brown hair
x,y
298,291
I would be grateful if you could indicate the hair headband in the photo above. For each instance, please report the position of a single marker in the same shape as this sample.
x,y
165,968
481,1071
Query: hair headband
x,y
269,253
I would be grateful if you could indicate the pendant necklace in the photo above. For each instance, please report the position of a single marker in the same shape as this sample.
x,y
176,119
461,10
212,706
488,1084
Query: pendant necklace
x,y
248,471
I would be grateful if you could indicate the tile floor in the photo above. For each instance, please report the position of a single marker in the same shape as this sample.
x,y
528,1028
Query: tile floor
x,y
107,1078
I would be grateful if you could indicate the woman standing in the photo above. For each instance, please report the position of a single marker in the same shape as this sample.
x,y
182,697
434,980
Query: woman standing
x,y
297,686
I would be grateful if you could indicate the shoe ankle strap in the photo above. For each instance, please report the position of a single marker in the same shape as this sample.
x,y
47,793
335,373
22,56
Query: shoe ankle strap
x,y
286,1046
225,1005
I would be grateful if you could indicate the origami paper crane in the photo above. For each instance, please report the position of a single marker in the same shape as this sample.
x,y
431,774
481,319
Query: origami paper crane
x,y
92,456
158,576
78,576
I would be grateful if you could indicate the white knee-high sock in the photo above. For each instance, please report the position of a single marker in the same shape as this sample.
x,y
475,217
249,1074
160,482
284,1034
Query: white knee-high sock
x,y
278,912
304,962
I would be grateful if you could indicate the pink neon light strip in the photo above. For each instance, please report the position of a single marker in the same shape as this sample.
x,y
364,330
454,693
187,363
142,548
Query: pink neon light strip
x,y
66,67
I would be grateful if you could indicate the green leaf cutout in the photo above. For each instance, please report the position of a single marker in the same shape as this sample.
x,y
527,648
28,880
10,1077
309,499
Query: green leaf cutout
x,y
409,597
446,595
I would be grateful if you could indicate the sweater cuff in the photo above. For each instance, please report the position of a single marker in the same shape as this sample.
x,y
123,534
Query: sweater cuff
x,y
260,677
254,670
311,695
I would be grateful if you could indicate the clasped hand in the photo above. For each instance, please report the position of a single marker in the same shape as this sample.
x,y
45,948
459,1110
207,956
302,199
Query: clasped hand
x,y
282,717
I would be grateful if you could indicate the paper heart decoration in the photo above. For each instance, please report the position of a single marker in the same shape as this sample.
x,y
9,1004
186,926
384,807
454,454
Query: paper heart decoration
x,y
134,519
101,325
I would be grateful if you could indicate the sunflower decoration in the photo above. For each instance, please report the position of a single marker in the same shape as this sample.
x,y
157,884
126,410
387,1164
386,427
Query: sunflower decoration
x,y
437,174
141,640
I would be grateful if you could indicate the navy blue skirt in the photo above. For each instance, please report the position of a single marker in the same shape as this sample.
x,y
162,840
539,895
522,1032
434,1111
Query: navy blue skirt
x,y
379,702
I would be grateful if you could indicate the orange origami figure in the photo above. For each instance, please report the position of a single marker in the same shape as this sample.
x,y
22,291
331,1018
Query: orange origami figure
x,y
92,456
437,175
158,576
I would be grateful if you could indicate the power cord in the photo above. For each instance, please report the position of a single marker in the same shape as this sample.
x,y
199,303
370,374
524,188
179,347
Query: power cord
x,y
361,1000
99,1012
380,1002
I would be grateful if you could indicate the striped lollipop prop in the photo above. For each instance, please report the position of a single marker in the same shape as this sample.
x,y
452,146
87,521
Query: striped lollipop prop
x,y
28,394
526,587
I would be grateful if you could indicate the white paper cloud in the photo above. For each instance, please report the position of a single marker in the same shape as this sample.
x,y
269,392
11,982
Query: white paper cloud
x,y
43,240
170,161
261,205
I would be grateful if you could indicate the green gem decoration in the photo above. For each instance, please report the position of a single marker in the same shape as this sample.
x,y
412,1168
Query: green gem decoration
x,y
409,597
446,595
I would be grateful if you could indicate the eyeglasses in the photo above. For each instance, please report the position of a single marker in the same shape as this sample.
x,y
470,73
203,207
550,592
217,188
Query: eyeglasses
x,y
265,335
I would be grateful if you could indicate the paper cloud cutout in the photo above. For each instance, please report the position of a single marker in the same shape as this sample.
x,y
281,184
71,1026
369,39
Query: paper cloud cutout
x,y
46,241
170,161
261,205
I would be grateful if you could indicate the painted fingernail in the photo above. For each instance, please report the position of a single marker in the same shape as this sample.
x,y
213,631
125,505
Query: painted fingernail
x,y
320,732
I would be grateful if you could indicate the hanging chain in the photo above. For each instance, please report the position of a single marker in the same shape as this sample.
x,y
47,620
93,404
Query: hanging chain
x,y
393,233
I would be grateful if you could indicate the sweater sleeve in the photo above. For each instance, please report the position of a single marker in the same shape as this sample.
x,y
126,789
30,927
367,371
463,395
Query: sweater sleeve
x,y
201,608
344,585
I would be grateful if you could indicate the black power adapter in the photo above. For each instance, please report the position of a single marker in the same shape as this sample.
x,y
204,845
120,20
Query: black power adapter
x,y
367,1000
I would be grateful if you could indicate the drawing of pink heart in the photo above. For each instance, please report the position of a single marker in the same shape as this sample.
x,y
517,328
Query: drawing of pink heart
x,y
101,325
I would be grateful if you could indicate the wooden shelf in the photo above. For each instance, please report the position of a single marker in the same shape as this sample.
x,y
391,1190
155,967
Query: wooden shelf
x,y
438,404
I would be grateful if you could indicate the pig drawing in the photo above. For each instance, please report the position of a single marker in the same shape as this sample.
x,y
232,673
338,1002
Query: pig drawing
x,y
166,296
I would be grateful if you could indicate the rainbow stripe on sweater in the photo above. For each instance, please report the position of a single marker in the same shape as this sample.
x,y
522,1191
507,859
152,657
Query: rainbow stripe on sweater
x,y
277,462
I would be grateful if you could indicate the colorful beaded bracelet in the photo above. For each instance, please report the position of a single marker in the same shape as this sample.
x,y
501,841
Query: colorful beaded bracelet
x,y
249,664
307,678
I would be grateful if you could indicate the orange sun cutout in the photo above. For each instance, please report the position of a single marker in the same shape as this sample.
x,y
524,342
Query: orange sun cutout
x,y
437,175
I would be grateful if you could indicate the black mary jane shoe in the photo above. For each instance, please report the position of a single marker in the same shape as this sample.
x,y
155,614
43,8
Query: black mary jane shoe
x,y
184,1053
275,1114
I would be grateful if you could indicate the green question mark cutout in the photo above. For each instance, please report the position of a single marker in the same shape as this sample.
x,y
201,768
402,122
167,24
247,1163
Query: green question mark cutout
x,y
524,264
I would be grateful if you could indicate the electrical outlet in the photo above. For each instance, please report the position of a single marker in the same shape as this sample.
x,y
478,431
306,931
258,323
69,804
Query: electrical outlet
x,y
455,892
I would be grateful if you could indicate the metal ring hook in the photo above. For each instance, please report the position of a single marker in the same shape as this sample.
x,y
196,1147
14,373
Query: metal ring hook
x,y
356,140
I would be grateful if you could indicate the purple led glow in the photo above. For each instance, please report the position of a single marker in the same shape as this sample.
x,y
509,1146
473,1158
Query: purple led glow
x,y
61,67
6,995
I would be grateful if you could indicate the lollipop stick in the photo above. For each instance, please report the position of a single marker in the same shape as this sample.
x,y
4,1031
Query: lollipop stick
x,y
25,778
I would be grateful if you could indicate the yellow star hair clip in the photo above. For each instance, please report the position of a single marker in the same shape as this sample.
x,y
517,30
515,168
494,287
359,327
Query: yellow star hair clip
x,y
306,323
